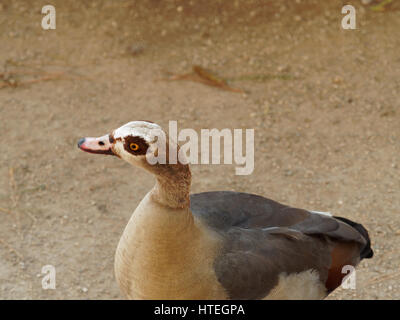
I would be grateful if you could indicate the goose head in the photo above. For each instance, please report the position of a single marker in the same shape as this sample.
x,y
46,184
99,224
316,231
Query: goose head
x,y
136,142
144,144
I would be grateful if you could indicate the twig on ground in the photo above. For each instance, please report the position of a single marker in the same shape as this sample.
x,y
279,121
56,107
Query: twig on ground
x,y
22,74
381,6
9,81
14,197
263,77
5,211
9,247
206,77
13,186
382,278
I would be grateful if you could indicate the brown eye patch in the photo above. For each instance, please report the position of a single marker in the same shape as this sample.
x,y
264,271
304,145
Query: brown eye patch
x,y
135,145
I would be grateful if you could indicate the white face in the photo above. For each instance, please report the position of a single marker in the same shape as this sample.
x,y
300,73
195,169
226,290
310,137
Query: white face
x,y
130,142
141,134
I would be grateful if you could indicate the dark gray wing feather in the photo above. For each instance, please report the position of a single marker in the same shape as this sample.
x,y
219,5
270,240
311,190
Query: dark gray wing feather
x,y
263,238
224,209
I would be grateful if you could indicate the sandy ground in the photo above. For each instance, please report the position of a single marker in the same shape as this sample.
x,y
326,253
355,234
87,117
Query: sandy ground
x,y
324,103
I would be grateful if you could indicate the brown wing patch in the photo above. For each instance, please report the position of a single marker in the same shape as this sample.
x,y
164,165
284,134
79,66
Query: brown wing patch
x,y
344,253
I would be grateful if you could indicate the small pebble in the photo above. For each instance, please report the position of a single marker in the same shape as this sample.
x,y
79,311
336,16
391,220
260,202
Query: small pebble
x,y
136,49
337,80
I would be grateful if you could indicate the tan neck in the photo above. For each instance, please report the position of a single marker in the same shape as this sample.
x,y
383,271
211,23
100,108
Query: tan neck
x,y
173,186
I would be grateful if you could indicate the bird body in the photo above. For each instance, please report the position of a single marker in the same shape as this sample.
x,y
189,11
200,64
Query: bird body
x,y
167,253
222,244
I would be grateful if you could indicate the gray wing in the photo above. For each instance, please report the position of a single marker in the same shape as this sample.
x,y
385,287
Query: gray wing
x,y
263,238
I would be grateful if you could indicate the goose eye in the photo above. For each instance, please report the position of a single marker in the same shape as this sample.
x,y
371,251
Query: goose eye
x,y
134,146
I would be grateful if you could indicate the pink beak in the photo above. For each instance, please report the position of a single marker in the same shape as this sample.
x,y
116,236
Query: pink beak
x,y
100,145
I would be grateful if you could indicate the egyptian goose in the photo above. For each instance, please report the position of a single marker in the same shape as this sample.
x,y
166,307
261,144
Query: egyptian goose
x,y
223,244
